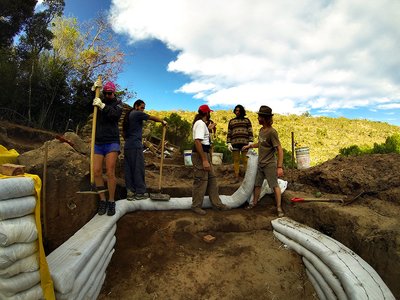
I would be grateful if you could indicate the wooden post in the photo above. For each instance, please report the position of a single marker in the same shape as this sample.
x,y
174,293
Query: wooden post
x,y
44,200
292,155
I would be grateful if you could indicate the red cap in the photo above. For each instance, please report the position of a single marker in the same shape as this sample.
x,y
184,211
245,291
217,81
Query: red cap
x,y
204,108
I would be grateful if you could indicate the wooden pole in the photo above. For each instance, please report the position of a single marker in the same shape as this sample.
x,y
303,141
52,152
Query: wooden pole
x,y
44,200
292,155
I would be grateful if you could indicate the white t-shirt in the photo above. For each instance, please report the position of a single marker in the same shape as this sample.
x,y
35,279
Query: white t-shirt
x,y
200,131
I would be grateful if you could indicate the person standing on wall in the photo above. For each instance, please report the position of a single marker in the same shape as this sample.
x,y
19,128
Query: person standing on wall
x,y
240,134
269,167
132,127
203,171
107,146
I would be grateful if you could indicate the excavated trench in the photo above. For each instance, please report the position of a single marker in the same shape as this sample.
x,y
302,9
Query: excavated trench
x,y
163,254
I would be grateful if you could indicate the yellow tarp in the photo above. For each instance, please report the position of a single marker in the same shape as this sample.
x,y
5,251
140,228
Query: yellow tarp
x,y
8,156
45,278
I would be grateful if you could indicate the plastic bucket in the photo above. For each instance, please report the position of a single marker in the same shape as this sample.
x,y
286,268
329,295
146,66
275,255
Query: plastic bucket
x,y
217,158
187,157
303,158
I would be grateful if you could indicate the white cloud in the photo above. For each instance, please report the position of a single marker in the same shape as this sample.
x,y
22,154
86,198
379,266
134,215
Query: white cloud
x,y
292,55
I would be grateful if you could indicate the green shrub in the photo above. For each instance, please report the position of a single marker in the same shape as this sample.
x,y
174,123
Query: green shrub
x,y
353,150
221,147
391,145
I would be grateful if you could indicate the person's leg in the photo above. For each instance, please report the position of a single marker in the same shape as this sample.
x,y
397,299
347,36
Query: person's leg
x,y
128,167
278,199
99,182
272,179
212,189
244,160
256,194
257,188
200,181
139,175
98,173
111,160
236,162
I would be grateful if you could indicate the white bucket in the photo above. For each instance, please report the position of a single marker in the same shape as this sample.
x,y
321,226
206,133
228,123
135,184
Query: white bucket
x,y
187,157
303,158
217,158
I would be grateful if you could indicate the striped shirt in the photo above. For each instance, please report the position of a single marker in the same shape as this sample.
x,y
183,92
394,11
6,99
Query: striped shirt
x,y
240,131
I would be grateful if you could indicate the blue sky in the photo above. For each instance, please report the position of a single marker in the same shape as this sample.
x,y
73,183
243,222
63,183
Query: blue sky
x,y
334,58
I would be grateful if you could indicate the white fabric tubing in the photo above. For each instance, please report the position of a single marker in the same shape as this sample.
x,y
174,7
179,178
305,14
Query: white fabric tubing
x,y
358,278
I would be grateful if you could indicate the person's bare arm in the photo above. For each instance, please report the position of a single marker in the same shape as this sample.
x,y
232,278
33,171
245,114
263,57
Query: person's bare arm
x,y
157,119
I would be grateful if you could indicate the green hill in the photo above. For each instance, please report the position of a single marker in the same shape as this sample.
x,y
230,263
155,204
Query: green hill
x,y
324,136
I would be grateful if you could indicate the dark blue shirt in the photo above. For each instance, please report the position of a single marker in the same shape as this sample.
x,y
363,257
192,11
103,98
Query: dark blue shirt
x,y
133,139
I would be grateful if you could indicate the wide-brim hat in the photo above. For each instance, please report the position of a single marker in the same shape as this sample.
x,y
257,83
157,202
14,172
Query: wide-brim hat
x,y
265,111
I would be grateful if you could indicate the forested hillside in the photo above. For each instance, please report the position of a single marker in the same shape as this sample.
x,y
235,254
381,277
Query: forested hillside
x,y
324,136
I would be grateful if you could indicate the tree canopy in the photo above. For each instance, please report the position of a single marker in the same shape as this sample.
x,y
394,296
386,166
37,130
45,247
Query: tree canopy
x,y
48,64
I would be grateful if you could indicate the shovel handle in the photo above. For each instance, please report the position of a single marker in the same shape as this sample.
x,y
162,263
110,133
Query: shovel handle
x,y
93,138
162,156
298,199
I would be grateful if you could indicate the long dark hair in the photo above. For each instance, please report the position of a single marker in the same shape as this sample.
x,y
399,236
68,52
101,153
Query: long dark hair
x,y
198,116
268,120
242,111
125,122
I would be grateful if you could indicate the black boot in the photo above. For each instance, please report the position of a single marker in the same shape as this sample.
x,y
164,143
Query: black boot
x,y
111,208
102,207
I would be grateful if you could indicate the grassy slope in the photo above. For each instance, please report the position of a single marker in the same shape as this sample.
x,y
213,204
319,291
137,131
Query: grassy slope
x,y
324,136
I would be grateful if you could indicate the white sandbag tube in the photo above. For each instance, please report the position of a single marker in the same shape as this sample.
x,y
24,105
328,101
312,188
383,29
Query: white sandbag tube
x,y
321,282
18,230
17,207
318,264
72,257
15,252
240,196
358,278
16,187
69,260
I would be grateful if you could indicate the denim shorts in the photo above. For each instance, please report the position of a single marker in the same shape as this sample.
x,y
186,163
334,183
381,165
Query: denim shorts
x,y
104,149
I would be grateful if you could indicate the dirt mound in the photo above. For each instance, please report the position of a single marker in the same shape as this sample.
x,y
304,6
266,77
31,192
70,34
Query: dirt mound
x,y
162,254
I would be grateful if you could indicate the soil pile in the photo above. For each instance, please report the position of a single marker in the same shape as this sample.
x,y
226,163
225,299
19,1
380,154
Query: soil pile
x,y
162,254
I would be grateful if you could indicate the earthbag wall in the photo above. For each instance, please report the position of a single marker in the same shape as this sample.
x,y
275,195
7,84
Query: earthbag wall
x,y
74,266
23,268
335,271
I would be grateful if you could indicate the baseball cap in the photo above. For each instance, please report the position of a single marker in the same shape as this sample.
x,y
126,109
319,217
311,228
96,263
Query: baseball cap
x,y
205,108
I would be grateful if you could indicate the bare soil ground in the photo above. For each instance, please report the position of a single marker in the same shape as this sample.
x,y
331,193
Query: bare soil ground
x,y
162,254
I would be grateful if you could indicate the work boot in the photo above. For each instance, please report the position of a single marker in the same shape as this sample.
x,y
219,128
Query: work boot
x,y
141,196
102,207
111,208
199,211
130,196
223,207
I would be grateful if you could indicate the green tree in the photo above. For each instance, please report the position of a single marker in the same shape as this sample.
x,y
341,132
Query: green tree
x,y
13,16
178,131
37,37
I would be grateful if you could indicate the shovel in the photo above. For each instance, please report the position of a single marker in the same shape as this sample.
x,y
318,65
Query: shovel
x,y
297,199
159,196
90,188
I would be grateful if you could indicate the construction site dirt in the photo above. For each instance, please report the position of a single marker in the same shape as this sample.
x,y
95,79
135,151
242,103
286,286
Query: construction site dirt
x,y
165,255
